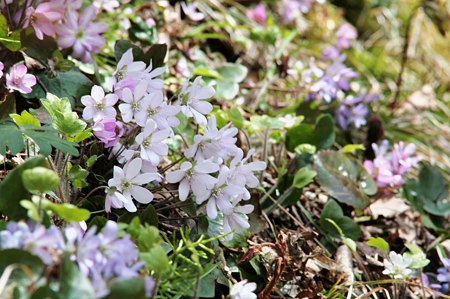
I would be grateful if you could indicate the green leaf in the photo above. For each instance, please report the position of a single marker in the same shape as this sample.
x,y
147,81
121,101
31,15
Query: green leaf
x,y
156,260
11,138
71,84
45,292
67,211
40,179
236,117
321,135
32,211
122,46
12,190
332,211
379,243
25,118
10,41
206,72
46,137
127,288
21,258
149,216
352,148
73,284
418,257
344,178
156,55
227,86
303,177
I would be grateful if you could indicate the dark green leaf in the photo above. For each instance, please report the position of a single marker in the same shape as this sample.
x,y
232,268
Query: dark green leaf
x,y
333,211
122,46
128,288
149,216
321,135
11,138
344,178
46,137
12,190
156,55
21,258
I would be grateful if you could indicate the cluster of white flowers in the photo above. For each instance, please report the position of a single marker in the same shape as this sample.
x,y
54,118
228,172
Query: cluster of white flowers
x,y
214,170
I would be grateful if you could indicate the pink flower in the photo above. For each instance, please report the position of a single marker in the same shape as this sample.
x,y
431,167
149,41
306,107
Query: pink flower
x,y
19,80
80,33
109,131
258,14
43,18
1,69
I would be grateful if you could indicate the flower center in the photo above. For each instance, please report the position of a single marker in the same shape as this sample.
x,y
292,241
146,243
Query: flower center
x,y
152,112
125,185
99,106
135,105
147,142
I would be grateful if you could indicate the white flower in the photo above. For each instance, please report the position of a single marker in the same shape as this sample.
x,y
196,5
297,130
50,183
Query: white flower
x,y
221,195
243,290
150,74
194,177
133,101
99,106
242,172
397,265
190,99
108,5
128,180
159,111
151,142
236,219
216,144
190,10
127,68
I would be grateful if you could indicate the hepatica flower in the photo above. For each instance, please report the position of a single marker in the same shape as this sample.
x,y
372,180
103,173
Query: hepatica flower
x,y
257,14
18,79
194,176
134,101
44,18
354,110
397,266
82,34
128,182
191,100
109,131
243,290
151,142
389,168
155,108
345,35
191,11
98,105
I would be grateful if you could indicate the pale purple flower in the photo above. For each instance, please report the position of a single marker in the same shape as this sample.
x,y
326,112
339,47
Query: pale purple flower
x,y
325,84
345,35
35,238
194,176
190,100
156,109
191,11
82,34
354,110
134,101
98,106
115,199
44,18
291,8
243,290
257,14
151,142
109,131
330,53
215,144
128,182
18,79
150,75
